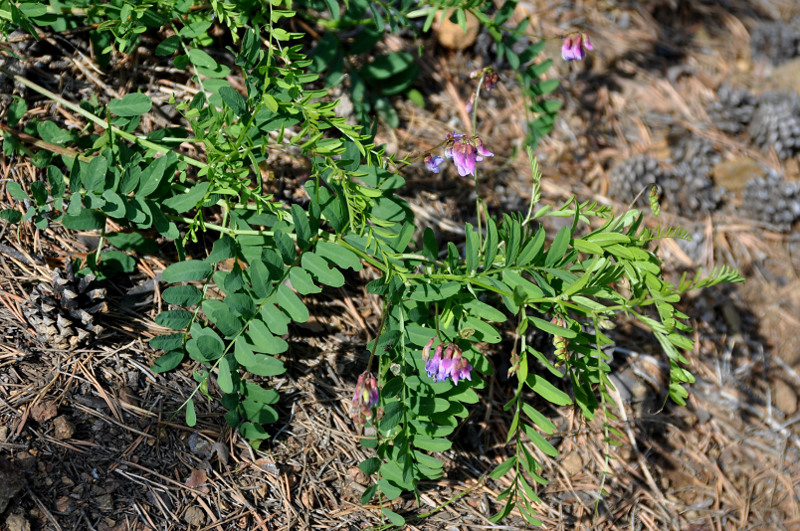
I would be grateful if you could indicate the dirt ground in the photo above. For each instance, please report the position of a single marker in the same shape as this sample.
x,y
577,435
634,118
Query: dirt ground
x,y
88,435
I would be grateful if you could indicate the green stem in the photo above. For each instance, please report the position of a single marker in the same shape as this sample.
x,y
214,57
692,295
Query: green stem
x,y
99,121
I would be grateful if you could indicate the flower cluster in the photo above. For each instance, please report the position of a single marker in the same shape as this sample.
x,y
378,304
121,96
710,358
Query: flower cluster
x,y
464,152
365,398
561,344
575,46
446,362
490,80
490,77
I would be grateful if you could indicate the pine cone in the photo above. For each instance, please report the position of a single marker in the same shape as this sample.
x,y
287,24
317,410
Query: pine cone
x,y
631,176
776,41
691,190
776,123
733,110
63,312
773,200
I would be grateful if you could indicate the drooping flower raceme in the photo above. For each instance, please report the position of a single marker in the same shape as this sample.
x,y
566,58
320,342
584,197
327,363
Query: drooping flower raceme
x,y
447,361
575,46
365,398
463,151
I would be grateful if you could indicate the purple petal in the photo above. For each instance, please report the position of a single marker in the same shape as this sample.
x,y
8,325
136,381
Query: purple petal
x,y
577,50
481,149
444,370
586,42
464,158
432,367
566,49
432,162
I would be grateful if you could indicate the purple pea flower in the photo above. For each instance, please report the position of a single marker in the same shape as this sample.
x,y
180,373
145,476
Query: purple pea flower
x,y
365,398
447,362
432,367
575,46
432,162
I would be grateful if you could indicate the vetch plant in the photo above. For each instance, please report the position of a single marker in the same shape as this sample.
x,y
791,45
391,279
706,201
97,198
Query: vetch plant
x,y
446,305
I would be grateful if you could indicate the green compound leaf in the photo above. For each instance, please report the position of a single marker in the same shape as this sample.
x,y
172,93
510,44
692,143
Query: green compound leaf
x,y
151,177
11,215
85,219
94,177
189,199
223,317
186,271
389,490
301,226
227,367
182,295
291,304
16,191
191,415
336,254
168,361
550,328
174,319
503,467
370,466
547,391
131,105
258,364
276,320
223,249
234,100
558,247
393,517
263,340
168,46
318,266
302,281
167,342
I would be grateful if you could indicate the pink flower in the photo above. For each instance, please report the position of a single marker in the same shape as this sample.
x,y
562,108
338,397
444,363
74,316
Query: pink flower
x,y
447,362
432,162
464,152
432,367
575,46
365,398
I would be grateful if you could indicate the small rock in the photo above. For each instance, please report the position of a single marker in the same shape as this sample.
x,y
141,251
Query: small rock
x,y
451,35
65,505
572,463
44,411
16,522
785,397
104,502
787,76
3,433
200,446
194,516
63,429
734,174
11,482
